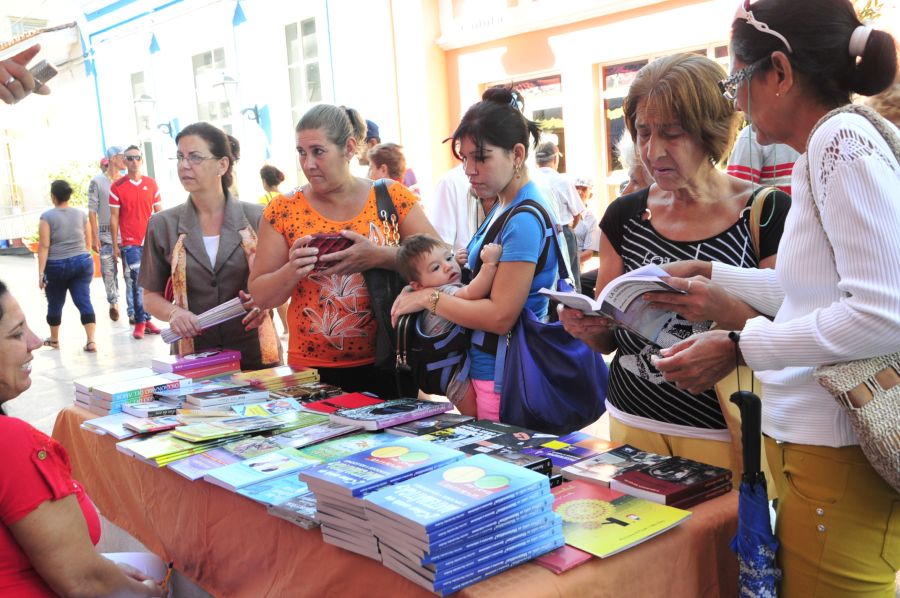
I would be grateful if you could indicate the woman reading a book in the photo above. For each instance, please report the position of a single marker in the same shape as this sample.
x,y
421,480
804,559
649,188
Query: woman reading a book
x,y
492,141
197,255
331,319
682,126
50,526
834,293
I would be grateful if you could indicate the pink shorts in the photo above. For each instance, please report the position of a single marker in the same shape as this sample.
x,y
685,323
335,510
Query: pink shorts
x,y
487,400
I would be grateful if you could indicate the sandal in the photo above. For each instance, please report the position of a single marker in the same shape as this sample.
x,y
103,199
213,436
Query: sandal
x,y
91,347
53,344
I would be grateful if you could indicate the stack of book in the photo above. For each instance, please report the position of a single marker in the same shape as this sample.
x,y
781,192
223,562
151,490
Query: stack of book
x,y
389,413
84,387
196,466
109,397
177,396
339,487
223,399
160,449
459,524
276,378
220,313
200,365
307,392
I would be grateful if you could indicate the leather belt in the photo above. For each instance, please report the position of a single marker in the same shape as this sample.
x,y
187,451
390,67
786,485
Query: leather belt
x,y
859,396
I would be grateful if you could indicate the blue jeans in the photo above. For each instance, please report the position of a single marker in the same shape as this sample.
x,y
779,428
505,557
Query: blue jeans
x,y
131,264
73,274
110,272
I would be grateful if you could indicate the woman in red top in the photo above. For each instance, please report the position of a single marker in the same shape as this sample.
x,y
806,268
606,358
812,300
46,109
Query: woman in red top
x,y
49,525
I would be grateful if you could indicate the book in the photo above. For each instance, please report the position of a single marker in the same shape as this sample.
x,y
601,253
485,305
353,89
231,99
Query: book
x,y
622,300
389,413
87,384
300,510
601,468
430,425
317,432
137,390
342,401
338,448
196,466
250,471
670,480
212,371
603,522
571,448
563,558
307,392
277,377
177,395
275,490
149,409
235,426
468,433
113,425
147,425
229,310
368,470
226,396
201,359
270,407
160,449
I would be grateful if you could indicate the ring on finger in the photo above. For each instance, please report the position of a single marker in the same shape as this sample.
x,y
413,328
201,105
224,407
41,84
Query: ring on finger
x,y
9,81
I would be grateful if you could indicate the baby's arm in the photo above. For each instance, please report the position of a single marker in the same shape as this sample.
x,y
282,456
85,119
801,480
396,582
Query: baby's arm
x,y
480,287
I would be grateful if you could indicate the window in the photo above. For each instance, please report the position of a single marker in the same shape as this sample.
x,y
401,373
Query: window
x,y
211,86
616,80
303,66
143,104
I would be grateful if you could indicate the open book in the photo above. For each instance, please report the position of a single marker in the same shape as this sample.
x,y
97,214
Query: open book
x,y
622,300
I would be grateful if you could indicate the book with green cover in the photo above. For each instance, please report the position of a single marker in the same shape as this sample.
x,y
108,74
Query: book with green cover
x,y
604,522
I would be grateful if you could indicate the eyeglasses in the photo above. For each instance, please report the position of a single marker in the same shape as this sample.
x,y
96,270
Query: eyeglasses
x,y
195,159
730,85
134,158
743,12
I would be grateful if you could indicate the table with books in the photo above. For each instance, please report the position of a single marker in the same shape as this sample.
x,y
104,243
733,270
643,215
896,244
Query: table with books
x,y
230,545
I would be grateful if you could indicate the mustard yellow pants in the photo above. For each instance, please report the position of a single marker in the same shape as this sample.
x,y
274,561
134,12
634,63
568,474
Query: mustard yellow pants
x,y
838,523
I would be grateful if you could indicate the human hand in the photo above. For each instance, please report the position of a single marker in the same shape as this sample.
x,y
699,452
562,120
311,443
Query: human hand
x,y
301,258
116,252
688,268
95,245
154,589
703,301
697,363
42,280
582,326
409,302
462,257
16,81
490,253
254,316
359,257
184,322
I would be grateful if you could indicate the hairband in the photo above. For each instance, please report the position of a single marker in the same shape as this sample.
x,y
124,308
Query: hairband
x,y
858,40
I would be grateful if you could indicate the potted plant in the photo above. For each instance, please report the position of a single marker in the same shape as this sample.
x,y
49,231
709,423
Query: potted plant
x,y
32,240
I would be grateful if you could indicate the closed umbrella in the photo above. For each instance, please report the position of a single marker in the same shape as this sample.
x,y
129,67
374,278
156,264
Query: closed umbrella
x,y
754,543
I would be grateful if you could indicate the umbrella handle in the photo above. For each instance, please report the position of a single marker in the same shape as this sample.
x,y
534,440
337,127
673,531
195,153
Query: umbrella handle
x,y
750,407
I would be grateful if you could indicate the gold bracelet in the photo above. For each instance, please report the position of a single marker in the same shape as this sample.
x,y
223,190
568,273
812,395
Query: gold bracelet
x,y
435,296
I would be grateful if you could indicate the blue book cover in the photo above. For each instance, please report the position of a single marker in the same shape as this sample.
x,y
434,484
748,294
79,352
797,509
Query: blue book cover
x,y
454,493
368,470
257,469
486,541
275,491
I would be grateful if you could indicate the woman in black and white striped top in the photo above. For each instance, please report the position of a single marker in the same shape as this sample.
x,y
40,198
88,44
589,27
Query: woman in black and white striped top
x,y
682,126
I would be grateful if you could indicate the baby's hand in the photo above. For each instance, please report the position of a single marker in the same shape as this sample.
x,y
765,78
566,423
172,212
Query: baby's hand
x,y
490,253
462,257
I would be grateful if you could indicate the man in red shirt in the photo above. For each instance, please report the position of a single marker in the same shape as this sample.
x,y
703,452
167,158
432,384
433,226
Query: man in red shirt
x,y
132,200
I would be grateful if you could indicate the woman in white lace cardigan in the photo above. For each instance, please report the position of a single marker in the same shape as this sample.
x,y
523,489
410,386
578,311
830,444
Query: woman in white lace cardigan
x,y
794,61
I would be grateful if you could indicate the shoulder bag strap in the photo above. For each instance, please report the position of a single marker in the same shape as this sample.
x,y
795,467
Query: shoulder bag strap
x,y
387,214
756,208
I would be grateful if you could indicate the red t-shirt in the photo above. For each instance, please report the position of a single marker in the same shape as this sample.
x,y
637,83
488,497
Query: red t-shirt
x,y
135,200
35,469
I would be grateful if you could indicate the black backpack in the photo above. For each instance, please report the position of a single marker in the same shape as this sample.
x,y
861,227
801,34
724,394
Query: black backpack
x,y
434,361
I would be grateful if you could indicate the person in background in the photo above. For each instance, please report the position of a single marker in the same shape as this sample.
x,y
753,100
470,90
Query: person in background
x,y
492,141
834,294
98,213
587,236
456,211
765,165
682,126
386,161
332,327
569,206
630,158
271,179
50,525
132,200
205,247
236,155
15,80
65,264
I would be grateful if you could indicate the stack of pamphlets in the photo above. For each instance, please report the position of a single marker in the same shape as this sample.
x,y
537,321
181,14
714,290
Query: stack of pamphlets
x,y
196,466
389,413
276,378
200,365
674,481
113,425
226,427
604,522
213,317
307,392
177,396
163,448
224,398
109,397
459,524
340,485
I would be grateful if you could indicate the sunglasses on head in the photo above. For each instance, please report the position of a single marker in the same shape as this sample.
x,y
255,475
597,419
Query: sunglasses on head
x,y
729,85
133,158
744,13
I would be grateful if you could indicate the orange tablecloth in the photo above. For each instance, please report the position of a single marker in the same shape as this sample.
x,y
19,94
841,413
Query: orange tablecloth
x,y
230,546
